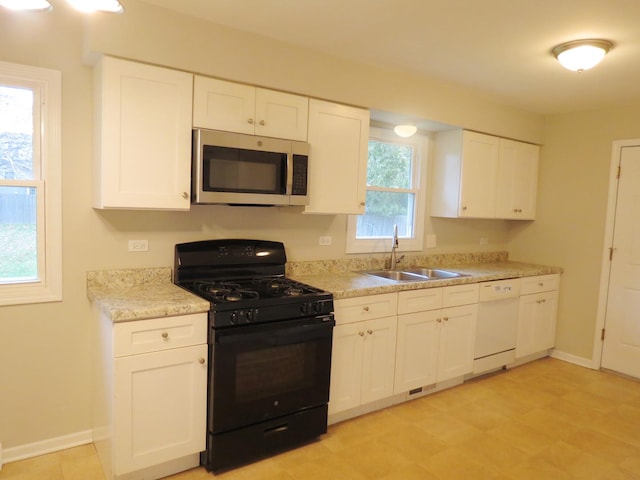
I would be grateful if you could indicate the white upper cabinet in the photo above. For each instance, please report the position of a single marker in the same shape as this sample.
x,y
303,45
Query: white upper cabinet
x,y
339,137
517,180
479,170
482,176
143,136
234,107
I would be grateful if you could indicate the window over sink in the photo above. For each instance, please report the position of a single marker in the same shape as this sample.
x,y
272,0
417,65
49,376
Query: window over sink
x,y
396,171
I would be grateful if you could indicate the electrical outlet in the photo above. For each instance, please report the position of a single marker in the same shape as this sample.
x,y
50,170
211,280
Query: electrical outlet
x,y
138,245
325,241
484,240
432,241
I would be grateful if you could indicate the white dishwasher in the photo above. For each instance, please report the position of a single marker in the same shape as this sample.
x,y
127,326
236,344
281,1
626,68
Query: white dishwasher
x,y
497,324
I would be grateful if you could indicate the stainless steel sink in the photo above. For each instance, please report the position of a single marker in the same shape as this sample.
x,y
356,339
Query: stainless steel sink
x,y
397,275
414,274
434,273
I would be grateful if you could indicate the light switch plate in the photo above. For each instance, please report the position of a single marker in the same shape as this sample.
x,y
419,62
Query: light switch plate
x,y
431,240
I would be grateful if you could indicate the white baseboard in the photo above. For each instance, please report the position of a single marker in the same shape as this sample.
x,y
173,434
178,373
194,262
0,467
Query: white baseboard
x,y
567,357
46,446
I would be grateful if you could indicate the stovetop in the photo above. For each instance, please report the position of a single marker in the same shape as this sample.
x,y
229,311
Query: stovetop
x,y
238,292
245,283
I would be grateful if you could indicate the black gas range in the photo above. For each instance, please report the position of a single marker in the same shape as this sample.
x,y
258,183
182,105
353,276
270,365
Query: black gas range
x,y
270,341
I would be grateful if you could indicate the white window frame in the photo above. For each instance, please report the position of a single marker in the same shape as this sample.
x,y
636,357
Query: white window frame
x,y
47,86
420,143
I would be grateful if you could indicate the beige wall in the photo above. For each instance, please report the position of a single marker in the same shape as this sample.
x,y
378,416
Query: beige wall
x,y
572,202
45,352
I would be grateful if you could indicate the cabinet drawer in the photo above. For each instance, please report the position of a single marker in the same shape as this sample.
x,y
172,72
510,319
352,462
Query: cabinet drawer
x,y
143,336
460,295
419,300
540,283
348,310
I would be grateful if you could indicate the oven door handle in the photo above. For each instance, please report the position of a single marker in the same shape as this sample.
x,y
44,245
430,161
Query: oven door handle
x,y
282,336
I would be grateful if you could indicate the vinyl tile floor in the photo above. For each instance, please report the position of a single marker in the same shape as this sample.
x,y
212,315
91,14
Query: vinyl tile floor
x,y
547,420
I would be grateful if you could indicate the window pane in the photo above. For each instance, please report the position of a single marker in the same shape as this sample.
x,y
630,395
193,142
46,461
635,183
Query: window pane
x,y
389,165
383,210
18,234
16,133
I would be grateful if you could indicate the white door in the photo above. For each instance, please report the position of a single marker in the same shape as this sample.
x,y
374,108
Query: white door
x,y
621,347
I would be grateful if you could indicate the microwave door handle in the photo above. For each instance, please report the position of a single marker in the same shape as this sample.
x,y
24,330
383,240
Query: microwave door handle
x,y
289,188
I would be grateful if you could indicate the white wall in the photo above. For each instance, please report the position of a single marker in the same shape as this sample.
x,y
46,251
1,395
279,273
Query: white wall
x,y
45,371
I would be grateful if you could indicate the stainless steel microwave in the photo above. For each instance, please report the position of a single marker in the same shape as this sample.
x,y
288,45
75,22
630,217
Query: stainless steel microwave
x,y
240,169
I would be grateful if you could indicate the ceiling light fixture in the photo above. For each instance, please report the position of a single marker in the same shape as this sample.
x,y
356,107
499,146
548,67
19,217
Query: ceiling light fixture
x,y
580,55
26,5
90,6
405,130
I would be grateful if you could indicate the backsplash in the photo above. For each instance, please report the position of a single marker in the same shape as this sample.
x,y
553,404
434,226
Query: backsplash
x,y
374,263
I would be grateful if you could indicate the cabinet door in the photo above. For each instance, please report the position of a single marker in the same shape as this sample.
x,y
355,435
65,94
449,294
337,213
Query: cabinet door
x,y
457,341
536,323
143,136
416,350
379,353
159,407
517,180
281,115
339,137
220,105
479,175
346,367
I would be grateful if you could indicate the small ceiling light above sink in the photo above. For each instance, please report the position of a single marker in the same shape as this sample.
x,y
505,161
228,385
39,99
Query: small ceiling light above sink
x,y
405,130
580,55
90,6
26,5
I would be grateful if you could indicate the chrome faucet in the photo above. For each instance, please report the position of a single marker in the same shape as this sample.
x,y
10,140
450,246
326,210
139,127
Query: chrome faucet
x,y
394,247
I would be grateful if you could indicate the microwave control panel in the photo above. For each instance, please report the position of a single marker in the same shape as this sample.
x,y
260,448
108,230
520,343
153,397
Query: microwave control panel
x,y
300,167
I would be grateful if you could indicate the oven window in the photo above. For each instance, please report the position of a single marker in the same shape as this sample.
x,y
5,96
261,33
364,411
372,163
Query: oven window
x,y
274,371
246,171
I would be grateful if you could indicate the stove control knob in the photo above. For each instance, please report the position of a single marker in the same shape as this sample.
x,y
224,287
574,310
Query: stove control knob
x,y
317,307
234,318
252,315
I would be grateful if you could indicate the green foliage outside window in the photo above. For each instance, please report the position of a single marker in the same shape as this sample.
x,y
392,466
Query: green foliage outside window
x,y
389,166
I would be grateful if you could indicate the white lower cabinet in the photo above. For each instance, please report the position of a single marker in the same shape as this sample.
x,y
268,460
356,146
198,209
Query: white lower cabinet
x,y
150,414
387,345
364,345
434,343
392,343
417,350
537,314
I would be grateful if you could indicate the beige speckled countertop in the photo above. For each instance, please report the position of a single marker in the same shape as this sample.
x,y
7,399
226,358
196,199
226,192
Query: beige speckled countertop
x,y
136,294
351,284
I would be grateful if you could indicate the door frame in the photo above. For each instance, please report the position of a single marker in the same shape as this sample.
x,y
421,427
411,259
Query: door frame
x,y
605,271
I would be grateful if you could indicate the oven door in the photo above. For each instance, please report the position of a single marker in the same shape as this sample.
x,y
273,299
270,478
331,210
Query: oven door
x,y
266,371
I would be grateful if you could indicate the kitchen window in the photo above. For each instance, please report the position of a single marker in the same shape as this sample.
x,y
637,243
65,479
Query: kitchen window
x,y
395,195
30,185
